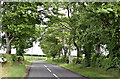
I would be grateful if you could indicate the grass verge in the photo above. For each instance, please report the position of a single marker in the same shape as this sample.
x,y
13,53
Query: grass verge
x,y
13,70
17,69
88,71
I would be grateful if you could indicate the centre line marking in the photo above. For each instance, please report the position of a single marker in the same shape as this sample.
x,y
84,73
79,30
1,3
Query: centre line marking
x,y
45,65
49,70
56,76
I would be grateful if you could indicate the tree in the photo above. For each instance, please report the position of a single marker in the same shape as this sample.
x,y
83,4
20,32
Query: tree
x,y
15,21
18,15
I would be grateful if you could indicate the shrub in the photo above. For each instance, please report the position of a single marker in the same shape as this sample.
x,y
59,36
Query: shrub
x,y
66,60
114,64
86,62
10,58
106,63
77,61
62,59
14,58
95,60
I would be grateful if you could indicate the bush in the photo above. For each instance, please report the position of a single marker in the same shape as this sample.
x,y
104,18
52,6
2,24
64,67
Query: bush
x,y
57,60
106,63
10,58
14,58
114,64
86,62
95,60
62,59
66,60
77,61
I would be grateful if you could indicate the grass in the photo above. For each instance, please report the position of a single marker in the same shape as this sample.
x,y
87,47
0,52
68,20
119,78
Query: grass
x,y
0,71
13,70
88,71
17,69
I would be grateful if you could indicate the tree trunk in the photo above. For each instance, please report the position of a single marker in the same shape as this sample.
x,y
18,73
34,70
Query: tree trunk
x,y
65,53
69,53
63,44
98,49
60,52
8,43
78,51
53,57
8,50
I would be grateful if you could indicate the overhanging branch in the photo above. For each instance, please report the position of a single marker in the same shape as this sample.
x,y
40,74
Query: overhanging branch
x,y
65,26
11,39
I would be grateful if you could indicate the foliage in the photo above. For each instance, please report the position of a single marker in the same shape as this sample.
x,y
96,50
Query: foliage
x,y
90,26
104,62
87,27
77,61
10,58
62,60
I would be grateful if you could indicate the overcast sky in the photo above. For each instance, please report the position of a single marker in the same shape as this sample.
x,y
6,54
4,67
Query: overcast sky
x,y
36,50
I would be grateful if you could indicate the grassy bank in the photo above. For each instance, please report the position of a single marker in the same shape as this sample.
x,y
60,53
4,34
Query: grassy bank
x,y
17,69
13,70
88,71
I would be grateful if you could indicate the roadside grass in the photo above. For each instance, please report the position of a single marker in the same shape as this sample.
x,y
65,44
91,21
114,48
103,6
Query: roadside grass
x,y
13,70
92,73
0,70
17,69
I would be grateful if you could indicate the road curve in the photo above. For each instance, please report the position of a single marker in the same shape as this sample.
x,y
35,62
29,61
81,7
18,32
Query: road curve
x,y
41,70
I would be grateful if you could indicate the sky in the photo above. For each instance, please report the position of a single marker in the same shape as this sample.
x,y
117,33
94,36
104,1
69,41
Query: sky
x,y
35,50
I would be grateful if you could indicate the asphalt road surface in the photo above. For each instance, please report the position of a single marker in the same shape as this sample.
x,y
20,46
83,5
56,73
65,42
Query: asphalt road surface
x,y
41,70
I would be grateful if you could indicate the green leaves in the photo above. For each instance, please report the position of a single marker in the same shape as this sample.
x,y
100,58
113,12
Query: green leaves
x,y
90,24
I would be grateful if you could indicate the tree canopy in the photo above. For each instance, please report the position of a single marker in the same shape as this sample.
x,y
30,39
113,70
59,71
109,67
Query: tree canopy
x,y
86,27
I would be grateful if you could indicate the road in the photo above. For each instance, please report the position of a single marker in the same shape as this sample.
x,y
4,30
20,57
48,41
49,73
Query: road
x,y
41,70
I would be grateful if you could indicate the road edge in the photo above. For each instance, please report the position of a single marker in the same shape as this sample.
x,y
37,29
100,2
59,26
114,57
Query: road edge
x,y
27,72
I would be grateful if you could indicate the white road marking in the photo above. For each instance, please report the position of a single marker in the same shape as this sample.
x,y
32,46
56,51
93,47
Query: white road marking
x,y
45,65
49,70
56,76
